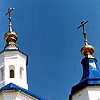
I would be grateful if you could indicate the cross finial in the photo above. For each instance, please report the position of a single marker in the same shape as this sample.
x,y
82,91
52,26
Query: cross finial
x,y
10,18
84,32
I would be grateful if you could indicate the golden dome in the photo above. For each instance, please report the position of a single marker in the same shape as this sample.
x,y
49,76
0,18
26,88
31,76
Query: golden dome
x,y
87,51
11,38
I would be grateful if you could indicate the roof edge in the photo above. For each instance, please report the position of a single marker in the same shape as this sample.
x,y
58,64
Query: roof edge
x,y
12,86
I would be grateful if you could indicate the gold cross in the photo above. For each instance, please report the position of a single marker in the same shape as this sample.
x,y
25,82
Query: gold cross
x,y
10,19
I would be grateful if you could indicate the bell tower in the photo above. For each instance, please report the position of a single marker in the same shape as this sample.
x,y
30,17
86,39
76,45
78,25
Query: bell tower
x,y
12,61
89,86
13,75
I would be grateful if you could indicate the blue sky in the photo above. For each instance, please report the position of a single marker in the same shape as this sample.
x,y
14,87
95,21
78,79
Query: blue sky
x,y
48,34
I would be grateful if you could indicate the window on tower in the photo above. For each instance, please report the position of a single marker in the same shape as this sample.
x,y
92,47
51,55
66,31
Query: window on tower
x,y
21,73
11,72
1,74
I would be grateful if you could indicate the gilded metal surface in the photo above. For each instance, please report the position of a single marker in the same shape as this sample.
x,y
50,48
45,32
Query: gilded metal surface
x,y
87,51
10,37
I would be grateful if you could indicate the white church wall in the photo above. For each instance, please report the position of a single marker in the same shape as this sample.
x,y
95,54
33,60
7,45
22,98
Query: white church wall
x,y
88,93
15,95
81,95
94,92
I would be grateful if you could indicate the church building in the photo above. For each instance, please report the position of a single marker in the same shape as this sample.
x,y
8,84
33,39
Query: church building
x,y
89,86
13,73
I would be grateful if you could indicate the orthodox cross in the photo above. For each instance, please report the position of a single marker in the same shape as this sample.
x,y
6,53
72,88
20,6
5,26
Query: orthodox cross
x,y
10,18
82,25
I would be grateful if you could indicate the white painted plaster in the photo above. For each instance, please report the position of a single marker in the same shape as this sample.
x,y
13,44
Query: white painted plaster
x,y
15,95
88,93
16,59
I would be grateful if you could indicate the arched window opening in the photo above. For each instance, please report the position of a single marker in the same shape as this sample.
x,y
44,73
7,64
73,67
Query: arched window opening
x,y
1,74
21,73
12,73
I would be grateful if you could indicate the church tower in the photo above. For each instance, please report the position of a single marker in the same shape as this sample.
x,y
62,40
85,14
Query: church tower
x,y
13,75
12,61
89,86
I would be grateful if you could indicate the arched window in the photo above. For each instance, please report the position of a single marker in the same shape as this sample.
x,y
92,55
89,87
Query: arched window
x,y
11,72
21,73
1,74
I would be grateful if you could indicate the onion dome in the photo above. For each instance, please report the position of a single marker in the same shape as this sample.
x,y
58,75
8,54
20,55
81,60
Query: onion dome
x,y
87,51
10,37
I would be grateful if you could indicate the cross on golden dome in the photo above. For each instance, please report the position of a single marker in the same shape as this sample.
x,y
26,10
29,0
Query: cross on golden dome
x,y
86,50
10,37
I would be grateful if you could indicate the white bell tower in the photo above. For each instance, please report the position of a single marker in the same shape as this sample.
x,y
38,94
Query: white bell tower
x,y
13,76
12,61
